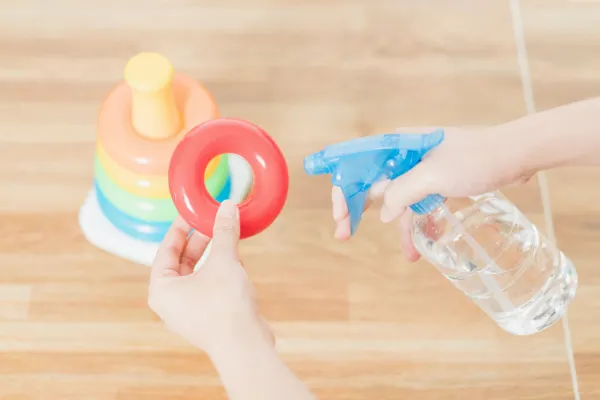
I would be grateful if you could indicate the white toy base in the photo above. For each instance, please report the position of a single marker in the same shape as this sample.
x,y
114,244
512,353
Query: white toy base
x,y
101,233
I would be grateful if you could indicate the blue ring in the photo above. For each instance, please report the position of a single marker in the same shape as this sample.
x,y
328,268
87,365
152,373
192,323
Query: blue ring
x,y
225,192
139,229
136,228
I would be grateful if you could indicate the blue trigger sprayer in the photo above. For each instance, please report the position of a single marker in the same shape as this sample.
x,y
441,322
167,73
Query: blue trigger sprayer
x,y
357,164
483,244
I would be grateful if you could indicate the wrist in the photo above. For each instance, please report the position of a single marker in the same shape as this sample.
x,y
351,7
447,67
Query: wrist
x,y
558,137
525,152
251,368
239,339
514,153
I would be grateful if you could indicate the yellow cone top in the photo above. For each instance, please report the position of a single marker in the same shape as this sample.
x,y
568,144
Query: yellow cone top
x,y
154,113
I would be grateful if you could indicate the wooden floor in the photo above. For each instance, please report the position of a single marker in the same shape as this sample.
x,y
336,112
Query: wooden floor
x,y
353,320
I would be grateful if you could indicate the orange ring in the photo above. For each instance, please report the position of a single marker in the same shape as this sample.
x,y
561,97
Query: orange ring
x,y
145,156
151,186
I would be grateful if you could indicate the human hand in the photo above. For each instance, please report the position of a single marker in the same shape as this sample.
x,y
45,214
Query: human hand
x,y
468,162
213,306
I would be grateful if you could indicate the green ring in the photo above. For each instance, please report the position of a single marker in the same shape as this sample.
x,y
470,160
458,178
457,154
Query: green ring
x,y
153,209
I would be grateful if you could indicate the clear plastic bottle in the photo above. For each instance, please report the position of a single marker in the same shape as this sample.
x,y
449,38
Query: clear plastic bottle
x,y
484,245
488,249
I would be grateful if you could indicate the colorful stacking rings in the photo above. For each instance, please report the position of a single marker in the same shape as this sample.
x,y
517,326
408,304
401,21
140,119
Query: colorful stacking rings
x,y
148,218
153,186
152,209
136,153
140,229
140,124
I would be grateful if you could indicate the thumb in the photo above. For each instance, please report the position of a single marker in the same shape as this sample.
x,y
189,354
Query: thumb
x,y
404,191
226,230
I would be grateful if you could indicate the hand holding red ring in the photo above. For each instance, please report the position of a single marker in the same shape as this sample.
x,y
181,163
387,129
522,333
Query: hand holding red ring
x,y
222,136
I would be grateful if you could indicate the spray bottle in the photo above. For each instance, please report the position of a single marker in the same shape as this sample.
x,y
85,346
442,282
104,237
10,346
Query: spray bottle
x,y
483,244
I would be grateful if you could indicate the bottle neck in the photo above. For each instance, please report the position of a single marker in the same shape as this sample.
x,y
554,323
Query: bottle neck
x,y
428,204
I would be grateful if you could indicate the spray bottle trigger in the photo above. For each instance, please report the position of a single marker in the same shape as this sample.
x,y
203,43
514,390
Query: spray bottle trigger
x,y
356,206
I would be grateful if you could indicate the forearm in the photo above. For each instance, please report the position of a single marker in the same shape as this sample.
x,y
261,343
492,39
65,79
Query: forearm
x,y
564,136
251,369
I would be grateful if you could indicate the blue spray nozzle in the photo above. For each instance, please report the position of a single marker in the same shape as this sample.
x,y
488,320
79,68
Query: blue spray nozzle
x,y
355,165
316,164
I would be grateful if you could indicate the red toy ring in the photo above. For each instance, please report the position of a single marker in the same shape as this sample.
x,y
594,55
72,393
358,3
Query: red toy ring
x,y
221,136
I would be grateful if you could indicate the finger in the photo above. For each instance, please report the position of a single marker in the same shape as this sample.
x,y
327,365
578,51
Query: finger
x,y
226,231
194,249
342,221
405,190
338,203
378,189
341,217
420,129
340,209
267,331
342,229
408,246
166,262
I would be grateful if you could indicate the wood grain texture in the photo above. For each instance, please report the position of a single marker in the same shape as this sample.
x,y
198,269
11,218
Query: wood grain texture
x,y
563,65
354,320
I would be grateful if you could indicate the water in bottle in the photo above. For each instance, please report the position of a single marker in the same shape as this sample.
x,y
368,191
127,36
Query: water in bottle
x,y
488,249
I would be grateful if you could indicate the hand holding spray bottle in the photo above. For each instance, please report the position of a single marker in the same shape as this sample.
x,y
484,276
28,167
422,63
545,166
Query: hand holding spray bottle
x,y
483,244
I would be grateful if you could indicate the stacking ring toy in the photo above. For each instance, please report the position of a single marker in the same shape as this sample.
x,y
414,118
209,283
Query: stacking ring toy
x,y
146,231
150,209
138,135
134,227
152,186
222,136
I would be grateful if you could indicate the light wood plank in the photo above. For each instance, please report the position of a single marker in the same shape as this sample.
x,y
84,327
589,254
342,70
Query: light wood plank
x,y
354,320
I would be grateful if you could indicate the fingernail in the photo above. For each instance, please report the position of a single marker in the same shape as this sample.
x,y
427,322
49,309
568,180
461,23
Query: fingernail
x,y
386,215
196,233
227,209
379,188
338,232
338,214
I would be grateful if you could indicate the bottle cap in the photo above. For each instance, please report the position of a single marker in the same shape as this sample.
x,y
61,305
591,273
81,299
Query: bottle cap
x,y
428,204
